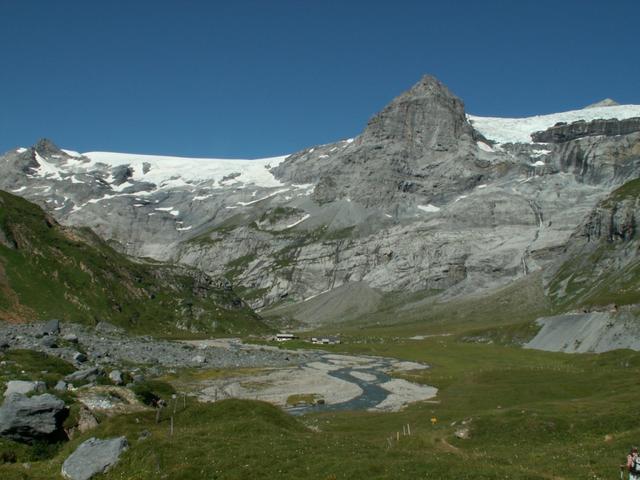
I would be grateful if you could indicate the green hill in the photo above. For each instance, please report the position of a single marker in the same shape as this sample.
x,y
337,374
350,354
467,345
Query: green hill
x,y
50,271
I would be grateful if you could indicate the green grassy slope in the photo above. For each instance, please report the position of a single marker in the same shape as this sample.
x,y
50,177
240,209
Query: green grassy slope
x,y
530,415
48,271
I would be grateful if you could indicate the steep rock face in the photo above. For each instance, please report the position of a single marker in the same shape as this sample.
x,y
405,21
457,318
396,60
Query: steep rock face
x,y
581,128
601,264
425,199
418,147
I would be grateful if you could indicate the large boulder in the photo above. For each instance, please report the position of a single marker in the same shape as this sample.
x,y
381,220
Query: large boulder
x,y
92,457
52,327
24,387
26,419
88,374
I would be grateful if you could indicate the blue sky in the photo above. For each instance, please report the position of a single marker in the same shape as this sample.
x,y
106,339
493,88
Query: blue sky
x,y
247,79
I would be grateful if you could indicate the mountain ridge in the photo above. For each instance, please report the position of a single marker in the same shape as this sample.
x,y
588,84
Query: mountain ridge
x,y
427,197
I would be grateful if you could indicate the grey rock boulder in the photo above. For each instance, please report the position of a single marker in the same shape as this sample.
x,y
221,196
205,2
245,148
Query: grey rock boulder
x,y
49,341
52,327
116,377
24,387
89,374
70,337
61,386
80,357
92,457
26,419
199,359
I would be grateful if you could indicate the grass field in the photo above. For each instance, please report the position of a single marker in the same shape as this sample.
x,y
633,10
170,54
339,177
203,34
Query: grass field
x,y
530,415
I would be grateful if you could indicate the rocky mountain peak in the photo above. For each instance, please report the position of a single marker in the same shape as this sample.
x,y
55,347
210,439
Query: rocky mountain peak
x,y
46,147
426,117
428,85
607,102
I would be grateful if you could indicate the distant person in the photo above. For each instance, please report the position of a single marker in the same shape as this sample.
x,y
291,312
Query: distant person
x,y
633,464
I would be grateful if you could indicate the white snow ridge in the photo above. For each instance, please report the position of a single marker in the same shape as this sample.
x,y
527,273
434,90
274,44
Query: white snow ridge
x,y
166,170
519,130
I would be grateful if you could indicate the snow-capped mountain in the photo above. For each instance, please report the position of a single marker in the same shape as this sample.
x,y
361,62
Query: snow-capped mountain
x,y
427,198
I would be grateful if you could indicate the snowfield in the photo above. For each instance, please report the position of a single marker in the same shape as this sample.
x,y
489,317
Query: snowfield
x,y
166,170
519,130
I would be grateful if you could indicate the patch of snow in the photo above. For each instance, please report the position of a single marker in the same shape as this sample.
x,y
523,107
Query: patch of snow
x,y
96,200
184,229
519,130
349,140
539,153
483,146
21,189
482,186
71,153
75,180
203,197
298,222
323,156
387,215
46,169
539,163
244,204
164,209
21,150
429,208
317,295
459,198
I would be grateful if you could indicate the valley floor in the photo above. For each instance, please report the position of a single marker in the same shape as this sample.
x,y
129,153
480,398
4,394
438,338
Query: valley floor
x,y
500,412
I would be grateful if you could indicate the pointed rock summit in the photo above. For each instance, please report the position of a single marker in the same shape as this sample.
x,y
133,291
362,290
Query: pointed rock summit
x,y
46,147
607,102
414,146
427,116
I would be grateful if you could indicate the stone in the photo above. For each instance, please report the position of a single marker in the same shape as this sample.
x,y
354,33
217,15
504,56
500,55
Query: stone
x,y
463,433
116,377
52,327
27,419
49,342
92,457
80,357
86,420
71,338
24,387
199,359
61,386
88,374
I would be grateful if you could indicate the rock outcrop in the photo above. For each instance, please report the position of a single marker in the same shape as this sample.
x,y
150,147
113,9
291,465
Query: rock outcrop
x,y
27,419
581,128
92,457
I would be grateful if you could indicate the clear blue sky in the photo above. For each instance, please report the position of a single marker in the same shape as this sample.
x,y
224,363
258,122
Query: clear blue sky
x,y
246,79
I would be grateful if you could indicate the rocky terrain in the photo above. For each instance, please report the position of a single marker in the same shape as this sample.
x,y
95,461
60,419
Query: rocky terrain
x,y
427,199
108,347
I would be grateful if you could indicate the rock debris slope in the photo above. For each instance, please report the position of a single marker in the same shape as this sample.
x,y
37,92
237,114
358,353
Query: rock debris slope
x,y
427,198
